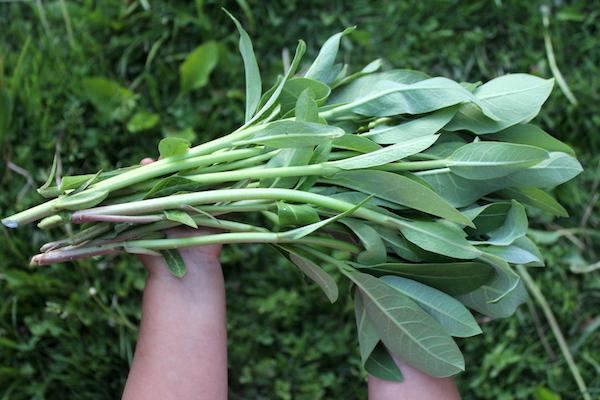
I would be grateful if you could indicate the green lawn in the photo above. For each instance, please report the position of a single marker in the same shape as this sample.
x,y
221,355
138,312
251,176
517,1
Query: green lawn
x,y
61,340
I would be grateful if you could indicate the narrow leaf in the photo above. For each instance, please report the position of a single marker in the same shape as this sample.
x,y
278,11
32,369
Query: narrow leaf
x,y
253,80
388,98
356,143
416,128
171,185
375,252
318,275
292,134
322,68
80,201
408,331
296,214
439,239
308,229
531,135
399,189
446,310
489,160
515,226
380,364
362,85
481,299
367,333
535,197
451,278
514,99
180,216
306,107
174,262
387,154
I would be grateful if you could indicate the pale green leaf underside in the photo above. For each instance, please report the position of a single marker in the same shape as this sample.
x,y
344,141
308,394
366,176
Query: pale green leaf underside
x,y
408,331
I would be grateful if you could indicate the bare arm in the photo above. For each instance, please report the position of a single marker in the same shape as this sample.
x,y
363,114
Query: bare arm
x,y
182,348
417,385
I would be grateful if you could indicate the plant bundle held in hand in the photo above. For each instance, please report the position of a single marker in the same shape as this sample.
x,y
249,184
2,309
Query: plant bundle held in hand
x,y
412,187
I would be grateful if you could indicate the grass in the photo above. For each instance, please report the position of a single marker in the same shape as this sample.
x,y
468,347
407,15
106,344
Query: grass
x,y
59,338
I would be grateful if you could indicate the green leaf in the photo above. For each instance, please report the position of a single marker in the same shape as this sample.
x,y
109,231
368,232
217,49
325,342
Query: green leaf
x,y
270,101
45,190
318,275
515,226
387,154
513,254
142,121
388,98
171,185
558,169
308,229
375,252
367,333
295,87
296,214
306,107
195,70
514,99
504,282
356,143
80,201
180,216
253,80
322,69
439,239
380,364
174,262
398,189
6,110
110,99
487,218
461,192
482,299
359,87
406,330
531,135
416,128
172,146
292,134
92,179
287,158
396,243
489,160
319,155
536,198
451,278
446,310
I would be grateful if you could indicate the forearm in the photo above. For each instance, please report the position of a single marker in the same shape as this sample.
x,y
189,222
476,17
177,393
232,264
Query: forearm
x,y
182,348
416,385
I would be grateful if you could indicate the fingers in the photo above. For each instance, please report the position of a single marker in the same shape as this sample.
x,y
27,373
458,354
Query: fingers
x,y
147,160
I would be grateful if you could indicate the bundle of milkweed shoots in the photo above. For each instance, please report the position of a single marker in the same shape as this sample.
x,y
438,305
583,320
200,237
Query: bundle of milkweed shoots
x,y
413,187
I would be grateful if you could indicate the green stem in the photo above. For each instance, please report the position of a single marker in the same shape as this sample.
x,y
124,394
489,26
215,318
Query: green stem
x,y
191,159
537,294
213,196
69,254
257,173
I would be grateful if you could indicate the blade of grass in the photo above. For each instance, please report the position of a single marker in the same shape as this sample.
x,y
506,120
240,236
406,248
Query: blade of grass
x,y
564,347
